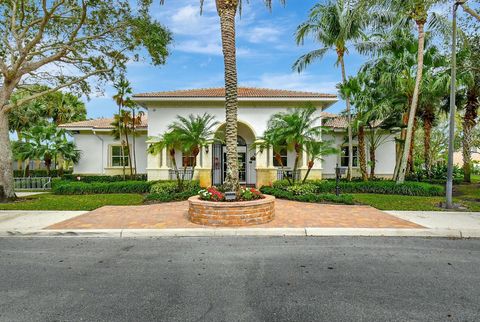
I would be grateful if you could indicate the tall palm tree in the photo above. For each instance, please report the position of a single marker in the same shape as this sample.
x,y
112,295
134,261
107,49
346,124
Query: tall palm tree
x,y
121,98
334,25
194,133
417,12
296,127
469,77
121,131
227,10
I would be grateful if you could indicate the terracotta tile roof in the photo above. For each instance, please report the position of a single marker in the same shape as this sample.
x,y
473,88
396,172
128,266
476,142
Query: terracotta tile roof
x,y
243,92
336,121
327,115
340,121
100,123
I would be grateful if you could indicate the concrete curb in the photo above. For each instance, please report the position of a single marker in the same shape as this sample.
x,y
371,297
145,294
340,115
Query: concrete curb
x,y
225,232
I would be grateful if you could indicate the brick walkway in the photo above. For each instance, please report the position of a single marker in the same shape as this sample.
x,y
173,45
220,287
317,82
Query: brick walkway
x,y
288,214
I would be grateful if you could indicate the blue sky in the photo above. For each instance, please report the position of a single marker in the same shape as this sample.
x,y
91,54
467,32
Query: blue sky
x,y
266,50
265,46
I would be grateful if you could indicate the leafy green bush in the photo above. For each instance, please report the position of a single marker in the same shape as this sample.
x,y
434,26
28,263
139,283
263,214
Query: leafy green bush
x,y
308,197
166,187
94,178
82,188
381,187
300,189
438,174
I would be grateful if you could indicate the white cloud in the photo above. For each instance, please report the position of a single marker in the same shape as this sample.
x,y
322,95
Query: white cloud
x,y
294,81
263,34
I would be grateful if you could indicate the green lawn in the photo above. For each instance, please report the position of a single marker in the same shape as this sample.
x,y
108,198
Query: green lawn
x,y
466,195
75,202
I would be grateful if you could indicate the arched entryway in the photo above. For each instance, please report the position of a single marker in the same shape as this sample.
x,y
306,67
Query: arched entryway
x,y
246,157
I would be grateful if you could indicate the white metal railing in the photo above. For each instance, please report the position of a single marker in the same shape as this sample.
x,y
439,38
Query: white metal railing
x,y
33,183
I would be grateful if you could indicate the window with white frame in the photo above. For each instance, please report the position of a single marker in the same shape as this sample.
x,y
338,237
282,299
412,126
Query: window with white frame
x,y
344,156
119,158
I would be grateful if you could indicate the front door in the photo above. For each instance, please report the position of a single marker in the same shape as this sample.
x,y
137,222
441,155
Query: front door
x,y
242,164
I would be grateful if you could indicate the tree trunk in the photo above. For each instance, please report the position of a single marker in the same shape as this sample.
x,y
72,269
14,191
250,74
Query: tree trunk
x,y
349,120
469,122
362,153
6,157
427,129
227,11
129,154
278,157
298,152
373,162
413,107
410,162
310,166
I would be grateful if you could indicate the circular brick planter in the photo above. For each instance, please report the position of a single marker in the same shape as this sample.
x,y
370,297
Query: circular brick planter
x,y
231,214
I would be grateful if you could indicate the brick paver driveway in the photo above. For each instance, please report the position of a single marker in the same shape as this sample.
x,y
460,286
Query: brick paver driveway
x,y
288,214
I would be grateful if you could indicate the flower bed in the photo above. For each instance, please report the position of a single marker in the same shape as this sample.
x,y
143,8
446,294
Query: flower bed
x,y
245,194
231,214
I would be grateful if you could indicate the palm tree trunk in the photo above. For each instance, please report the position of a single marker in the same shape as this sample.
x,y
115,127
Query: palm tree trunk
x,y
413,107
427,128
175,169
349,119
278,157
129,154
298,152
362,155
410,163
469,122
310,166
373,162
227,11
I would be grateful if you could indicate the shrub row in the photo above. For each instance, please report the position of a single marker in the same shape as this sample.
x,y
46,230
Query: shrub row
x,y
308,197
40,173
380,187
83,188
96,178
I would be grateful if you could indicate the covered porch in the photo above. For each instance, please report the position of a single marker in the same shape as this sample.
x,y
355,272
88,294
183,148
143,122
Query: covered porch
x,y
256,167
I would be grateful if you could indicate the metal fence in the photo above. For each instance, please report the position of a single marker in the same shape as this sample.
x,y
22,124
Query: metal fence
x,y
187,174
33,183
288,174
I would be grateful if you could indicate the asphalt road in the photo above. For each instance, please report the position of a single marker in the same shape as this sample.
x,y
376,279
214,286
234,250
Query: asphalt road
x,y
239,279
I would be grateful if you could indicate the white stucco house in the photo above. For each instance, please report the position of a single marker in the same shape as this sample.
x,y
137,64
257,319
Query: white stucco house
x,y
101,153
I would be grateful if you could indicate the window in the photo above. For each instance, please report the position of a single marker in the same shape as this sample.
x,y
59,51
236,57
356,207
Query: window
x,y
344,156
188,160
117,156
283,155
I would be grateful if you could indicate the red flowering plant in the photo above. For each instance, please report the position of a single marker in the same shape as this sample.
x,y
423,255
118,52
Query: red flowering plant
x,y
250,194
211,194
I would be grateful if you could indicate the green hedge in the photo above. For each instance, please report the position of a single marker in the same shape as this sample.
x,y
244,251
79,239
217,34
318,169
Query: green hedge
x,y
95,178
165,191
166,187
308,197
379,187
40,173
83,188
